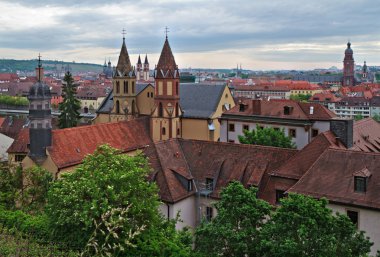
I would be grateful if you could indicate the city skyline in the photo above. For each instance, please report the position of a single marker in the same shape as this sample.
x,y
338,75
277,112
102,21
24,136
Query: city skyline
x,y
214,34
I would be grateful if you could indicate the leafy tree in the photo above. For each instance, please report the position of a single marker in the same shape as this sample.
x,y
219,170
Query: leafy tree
x,y
106,181
266,136
376,117
9,182
303,226
301,97
70,106
235,230
358,117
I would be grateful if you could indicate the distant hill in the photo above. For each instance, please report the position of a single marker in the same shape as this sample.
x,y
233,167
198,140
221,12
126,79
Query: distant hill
x,y
12,66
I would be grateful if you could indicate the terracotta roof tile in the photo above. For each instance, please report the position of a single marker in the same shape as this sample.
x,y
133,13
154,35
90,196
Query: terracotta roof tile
x,y
20,145
366,135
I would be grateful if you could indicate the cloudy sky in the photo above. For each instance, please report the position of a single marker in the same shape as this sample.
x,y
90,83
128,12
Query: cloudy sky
x,y
258,34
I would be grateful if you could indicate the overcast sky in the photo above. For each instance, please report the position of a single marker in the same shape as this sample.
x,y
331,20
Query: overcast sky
x,y
258,34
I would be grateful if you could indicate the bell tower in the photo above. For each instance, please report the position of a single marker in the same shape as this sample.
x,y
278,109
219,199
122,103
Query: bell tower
x,y
124,87
348,67
165,119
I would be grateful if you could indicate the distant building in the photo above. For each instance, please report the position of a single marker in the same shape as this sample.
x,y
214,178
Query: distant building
x,y
348,67
350,107
300,121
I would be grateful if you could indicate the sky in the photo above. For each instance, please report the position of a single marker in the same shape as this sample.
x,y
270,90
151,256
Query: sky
x,y
256,34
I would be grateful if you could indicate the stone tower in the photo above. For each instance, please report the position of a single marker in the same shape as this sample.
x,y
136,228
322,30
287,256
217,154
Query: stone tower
x,y
139,70
165,120
124,88
365,71
348,67
40,117
146,68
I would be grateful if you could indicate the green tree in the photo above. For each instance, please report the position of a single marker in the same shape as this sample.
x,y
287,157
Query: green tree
x,y
235,230
376,117
9,183
303,226
108,180
300,97
266,136
70,105
358,117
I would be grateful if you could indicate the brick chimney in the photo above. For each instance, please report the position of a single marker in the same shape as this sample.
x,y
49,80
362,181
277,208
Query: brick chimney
x,y
344,130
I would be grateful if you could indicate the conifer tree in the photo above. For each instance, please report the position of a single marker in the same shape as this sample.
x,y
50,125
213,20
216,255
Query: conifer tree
x,y
70,106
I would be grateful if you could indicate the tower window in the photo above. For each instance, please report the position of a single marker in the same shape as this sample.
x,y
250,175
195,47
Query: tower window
x,y
133,87
176,110
160,110
117,107
176,88
163,131
117,87
126,87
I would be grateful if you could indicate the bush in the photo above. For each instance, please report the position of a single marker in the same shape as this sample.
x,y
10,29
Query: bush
x,y
13,100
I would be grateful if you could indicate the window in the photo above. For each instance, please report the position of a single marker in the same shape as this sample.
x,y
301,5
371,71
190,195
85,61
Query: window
x,y
189,185
126,87
314,132
354,217
117,107
292,133
117,87
163,131
360,184
19,157
287,110
209,184
178,132
245,127
151,94
176,88
160,110
279,194
231,141
241,108
39,106
148,94
231,127
209,211
133,87
47,106
39,125
276,129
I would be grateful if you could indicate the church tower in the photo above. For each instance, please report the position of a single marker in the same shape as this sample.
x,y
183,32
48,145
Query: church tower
x,y
40,117
165,120
146,68
365,72
348,67
139,70
124,88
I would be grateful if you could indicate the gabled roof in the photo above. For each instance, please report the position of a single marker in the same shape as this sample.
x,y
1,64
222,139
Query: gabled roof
x,y
332,177
20,144
200,100
107,104
71,145
166,67
366,135
124,66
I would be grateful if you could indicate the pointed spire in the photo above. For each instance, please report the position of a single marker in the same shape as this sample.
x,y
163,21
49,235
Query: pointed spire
x,y
105,62
124,66
146,59
139,61
166,62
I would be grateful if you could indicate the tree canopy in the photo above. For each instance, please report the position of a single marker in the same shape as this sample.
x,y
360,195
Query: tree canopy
x,y
300,226
70,106
266,136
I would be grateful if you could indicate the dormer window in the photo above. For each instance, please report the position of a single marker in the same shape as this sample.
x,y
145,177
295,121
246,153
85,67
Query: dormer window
x,y
189,185
209,184
360,184
288,110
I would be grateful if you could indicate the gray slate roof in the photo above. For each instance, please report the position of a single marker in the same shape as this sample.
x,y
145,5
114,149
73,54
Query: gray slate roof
x,y
196,100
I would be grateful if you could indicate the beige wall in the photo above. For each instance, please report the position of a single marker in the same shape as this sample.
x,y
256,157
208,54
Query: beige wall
x,y
145,103
195,129
369,221
101,118
185,208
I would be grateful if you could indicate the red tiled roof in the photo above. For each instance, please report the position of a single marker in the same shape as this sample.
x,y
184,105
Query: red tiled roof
x,y
275,108
325,96
1,120
70,146
366,135
20,144
332,176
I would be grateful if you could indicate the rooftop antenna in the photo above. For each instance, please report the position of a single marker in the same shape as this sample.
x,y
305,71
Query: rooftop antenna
x,y
166,31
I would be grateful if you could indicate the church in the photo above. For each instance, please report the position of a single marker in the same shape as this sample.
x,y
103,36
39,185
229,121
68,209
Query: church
x,y
175,110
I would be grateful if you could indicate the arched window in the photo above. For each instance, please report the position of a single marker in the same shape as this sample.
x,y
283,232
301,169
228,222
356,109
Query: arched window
x,y
117,87
164,131
133,87
160,110
117,107
126,87
148,94
176,88
151,94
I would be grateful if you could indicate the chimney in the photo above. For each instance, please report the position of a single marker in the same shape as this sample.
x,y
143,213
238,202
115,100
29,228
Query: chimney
x,y
311,110
343,129
256,107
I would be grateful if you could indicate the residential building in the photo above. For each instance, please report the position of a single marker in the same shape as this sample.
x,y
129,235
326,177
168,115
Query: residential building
x,y
261,92
351,107
301,121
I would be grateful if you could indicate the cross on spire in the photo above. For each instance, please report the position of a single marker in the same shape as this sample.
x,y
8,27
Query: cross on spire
x,y
123,32
166,31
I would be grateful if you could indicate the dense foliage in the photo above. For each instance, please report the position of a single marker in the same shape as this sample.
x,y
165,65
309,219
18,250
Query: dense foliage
x,y
13,100
70,105
266,136
107,182
301,226
301,97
